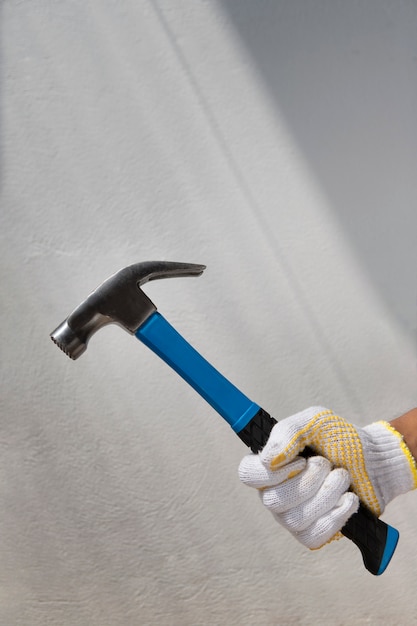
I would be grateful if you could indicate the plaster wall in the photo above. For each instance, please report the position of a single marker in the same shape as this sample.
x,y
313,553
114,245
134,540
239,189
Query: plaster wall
x,y
274,142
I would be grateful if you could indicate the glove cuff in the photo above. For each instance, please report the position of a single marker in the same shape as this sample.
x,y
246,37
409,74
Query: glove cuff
x,y
391,466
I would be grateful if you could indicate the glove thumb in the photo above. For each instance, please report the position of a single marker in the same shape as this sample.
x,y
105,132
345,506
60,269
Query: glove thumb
x,y
289,437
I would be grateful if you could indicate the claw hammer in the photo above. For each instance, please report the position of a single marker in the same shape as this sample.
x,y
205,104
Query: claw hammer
x,y
120,300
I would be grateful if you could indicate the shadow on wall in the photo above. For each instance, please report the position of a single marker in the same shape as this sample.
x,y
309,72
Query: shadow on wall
x,y
343,77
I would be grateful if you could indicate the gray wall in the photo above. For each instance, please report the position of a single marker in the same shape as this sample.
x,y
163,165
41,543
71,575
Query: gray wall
x,y
276,143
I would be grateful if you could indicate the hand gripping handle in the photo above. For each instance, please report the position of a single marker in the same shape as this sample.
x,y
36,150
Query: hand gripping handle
x,y
375,539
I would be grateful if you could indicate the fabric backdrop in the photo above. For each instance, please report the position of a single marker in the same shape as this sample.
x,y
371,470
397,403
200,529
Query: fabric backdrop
x,y
274,142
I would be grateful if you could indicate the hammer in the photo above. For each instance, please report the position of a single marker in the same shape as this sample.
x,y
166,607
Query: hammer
x,y
120,300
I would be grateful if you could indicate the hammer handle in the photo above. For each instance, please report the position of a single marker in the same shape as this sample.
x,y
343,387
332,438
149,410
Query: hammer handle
x,y
375,539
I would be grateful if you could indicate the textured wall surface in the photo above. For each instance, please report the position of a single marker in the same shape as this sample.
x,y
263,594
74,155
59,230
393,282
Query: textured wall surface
x,y
276,143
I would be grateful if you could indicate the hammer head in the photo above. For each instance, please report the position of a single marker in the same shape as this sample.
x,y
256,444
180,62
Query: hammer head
x,y
119,300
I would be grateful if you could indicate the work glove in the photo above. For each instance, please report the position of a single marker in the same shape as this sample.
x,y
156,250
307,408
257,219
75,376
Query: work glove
x,y
310,496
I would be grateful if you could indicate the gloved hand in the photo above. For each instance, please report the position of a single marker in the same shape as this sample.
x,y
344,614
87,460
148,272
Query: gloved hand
x,y
310,497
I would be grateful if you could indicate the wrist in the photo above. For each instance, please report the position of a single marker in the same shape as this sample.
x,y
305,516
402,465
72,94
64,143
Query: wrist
x,y
406,425
392,468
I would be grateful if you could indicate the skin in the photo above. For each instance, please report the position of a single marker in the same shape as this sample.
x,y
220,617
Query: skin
x,y
406,425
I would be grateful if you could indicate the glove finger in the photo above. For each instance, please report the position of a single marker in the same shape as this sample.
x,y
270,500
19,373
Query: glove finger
x,y
326,527
296,490
252,472
300,517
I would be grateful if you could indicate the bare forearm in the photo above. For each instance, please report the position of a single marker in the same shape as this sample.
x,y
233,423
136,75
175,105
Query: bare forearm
x,y
406,425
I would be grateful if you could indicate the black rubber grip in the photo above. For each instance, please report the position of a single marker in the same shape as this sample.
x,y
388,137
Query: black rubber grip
x,y
256,432
374,538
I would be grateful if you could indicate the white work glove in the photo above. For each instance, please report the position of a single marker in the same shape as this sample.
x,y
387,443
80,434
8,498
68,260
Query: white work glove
x,y
310,497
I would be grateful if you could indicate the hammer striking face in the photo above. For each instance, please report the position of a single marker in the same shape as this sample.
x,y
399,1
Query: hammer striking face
x,y
121,301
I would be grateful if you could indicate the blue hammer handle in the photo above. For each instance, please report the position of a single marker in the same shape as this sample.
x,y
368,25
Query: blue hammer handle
x,y
375,539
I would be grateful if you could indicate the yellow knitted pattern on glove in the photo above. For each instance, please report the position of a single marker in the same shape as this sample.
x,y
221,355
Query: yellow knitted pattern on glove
x,y
336,439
